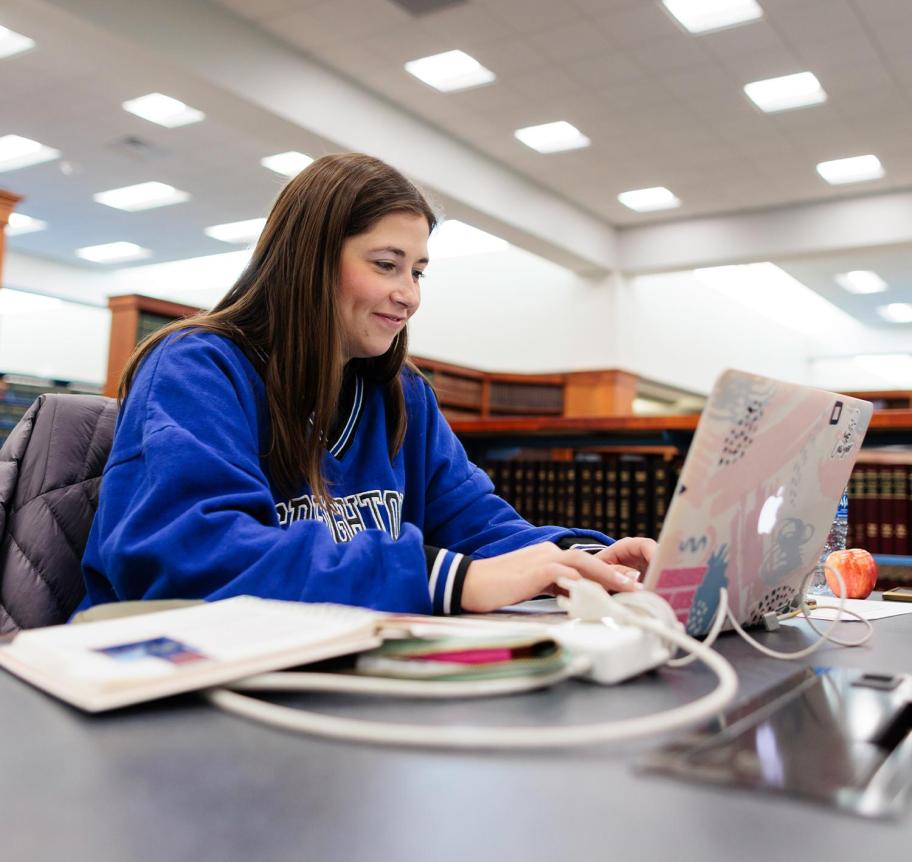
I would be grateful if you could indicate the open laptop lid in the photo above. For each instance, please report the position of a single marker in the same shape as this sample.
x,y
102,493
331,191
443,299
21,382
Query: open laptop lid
x,y
756,497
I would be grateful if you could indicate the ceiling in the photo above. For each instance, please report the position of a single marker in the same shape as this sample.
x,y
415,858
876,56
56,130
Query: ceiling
x,y
661,106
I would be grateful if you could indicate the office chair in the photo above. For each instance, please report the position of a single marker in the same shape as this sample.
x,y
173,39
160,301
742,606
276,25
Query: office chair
x,y
50,472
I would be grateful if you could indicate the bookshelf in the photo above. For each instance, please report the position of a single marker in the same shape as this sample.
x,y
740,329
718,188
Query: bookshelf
x,y
8,202
133,318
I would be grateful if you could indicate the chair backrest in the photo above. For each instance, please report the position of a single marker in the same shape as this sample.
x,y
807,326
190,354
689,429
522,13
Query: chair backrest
x,y
50,472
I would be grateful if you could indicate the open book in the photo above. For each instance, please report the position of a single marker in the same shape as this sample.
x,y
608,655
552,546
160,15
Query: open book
x,y
112,663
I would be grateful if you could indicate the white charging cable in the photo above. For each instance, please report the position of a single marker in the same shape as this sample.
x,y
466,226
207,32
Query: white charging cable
x,y
638,610
724,612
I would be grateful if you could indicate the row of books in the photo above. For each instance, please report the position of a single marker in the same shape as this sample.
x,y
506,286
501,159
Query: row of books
x,y
880,506
617,494
628,495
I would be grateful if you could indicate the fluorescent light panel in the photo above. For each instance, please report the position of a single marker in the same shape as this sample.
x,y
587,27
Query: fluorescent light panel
x,y
701,16
449,71
144,196
113,252
237,231
18,152
20,223
552,137
164,110
786,93
454,238
857,169
649,200
896,312
288,164
861,281
13,43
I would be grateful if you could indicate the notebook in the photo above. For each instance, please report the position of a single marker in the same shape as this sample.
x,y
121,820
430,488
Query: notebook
x,y
759,488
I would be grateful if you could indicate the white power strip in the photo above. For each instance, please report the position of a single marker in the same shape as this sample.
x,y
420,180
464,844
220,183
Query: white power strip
x,y
615,652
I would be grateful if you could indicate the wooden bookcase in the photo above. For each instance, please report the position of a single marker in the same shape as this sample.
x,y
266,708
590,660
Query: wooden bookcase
x,y
468,394
8,203
133,318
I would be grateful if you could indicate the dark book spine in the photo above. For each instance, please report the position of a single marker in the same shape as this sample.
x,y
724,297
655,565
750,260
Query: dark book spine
x,y
611,496
901,479
625,512
584,470
598,495
886,508
661,494
568,494
872,513
641,495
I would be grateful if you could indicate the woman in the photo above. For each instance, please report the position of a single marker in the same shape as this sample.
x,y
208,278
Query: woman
x,y
280,446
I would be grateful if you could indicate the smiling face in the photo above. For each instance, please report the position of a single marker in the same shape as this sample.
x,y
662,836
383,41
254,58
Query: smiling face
x,y
378,289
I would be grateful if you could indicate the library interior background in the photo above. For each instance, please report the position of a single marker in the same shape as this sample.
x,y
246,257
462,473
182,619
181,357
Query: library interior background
x,y
632,200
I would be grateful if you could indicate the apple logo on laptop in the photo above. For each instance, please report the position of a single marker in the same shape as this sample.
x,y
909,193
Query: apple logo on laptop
x,y
769,512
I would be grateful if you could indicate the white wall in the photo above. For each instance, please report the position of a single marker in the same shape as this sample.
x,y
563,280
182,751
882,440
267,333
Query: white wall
x,y
53,338
507,311
514,311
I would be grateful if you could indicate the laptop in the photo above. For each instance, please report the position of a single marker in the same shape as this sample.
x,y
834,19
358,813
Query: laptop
x,y
754,504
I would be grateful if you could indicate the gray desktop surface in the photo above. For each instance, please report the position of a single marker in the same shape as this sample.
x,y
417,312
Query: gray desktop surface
x,y
178,780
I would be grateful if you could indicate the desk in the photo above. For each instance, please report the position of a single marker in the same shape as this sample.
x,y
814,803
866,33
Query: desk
x,y
179,780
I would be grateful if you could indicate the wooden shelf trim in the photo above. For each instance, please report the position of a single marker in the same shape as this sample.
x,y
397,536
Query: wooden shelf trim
x,y
883,419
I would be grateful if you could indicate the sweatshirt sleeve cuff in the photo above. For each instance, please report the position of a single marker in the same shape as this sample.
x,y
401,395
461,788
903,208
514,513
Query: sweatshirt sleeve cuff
x,y
579,543
446,575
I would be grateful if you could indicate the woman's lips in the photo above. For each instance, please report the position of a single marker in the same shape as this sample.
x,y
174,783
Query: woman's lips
x,y
390,320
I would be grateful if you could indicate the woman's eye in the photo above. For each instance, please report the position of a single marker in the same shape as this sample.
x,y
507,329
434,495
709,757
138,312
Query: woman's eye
x,y
385,265
417,274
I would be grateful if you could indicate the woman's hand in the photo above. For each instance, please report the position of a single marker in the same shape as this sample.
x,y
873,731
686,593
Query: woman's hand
x,y
633,552
498,581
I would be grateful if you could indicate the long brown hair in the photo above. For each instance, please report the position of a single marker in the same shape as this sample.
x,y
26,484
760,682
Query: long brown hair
x,y
282,310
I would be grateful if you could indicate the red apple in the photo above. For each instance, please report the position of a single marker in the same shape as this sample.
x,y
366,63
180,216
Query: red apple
x,y
858,570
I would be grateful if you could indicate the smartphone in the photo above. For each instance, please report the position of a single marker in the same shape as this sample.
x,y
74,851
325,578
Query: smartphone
x,y
898,594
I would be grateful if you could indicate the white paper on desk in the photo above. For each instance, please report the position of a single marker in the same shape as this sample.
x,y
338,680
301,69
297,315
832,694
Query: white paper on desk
x,y
827,605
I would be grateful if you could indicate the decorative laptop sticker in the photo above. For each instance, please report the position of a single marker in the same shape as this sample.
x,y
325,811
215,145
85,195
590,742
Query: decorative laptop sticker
x,y
737,503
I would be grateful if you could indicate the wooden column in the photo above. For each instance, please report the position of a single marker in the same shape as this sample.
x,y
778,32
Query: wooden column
x,y
8,203
599,393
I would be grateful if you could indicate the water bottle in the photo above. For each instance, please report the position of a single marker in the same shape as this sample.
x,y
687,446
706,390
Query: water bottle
x,y
836,541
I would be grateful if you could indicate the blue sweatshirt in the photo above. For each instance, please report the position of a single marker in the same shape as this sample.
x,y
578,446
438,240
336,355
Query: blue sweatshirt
x,y
187,508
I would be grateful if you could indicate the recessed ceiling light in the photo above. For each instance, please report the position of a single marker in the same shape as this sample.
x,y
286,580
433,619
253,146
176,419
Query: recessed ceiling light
x,y
163,110
452,70
113,252
552,137
861,281
18,152
13,43
785,93
288,164
701,16
457,239
144,196
20,223
649,200
237,231
895,367
854,170
896,312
